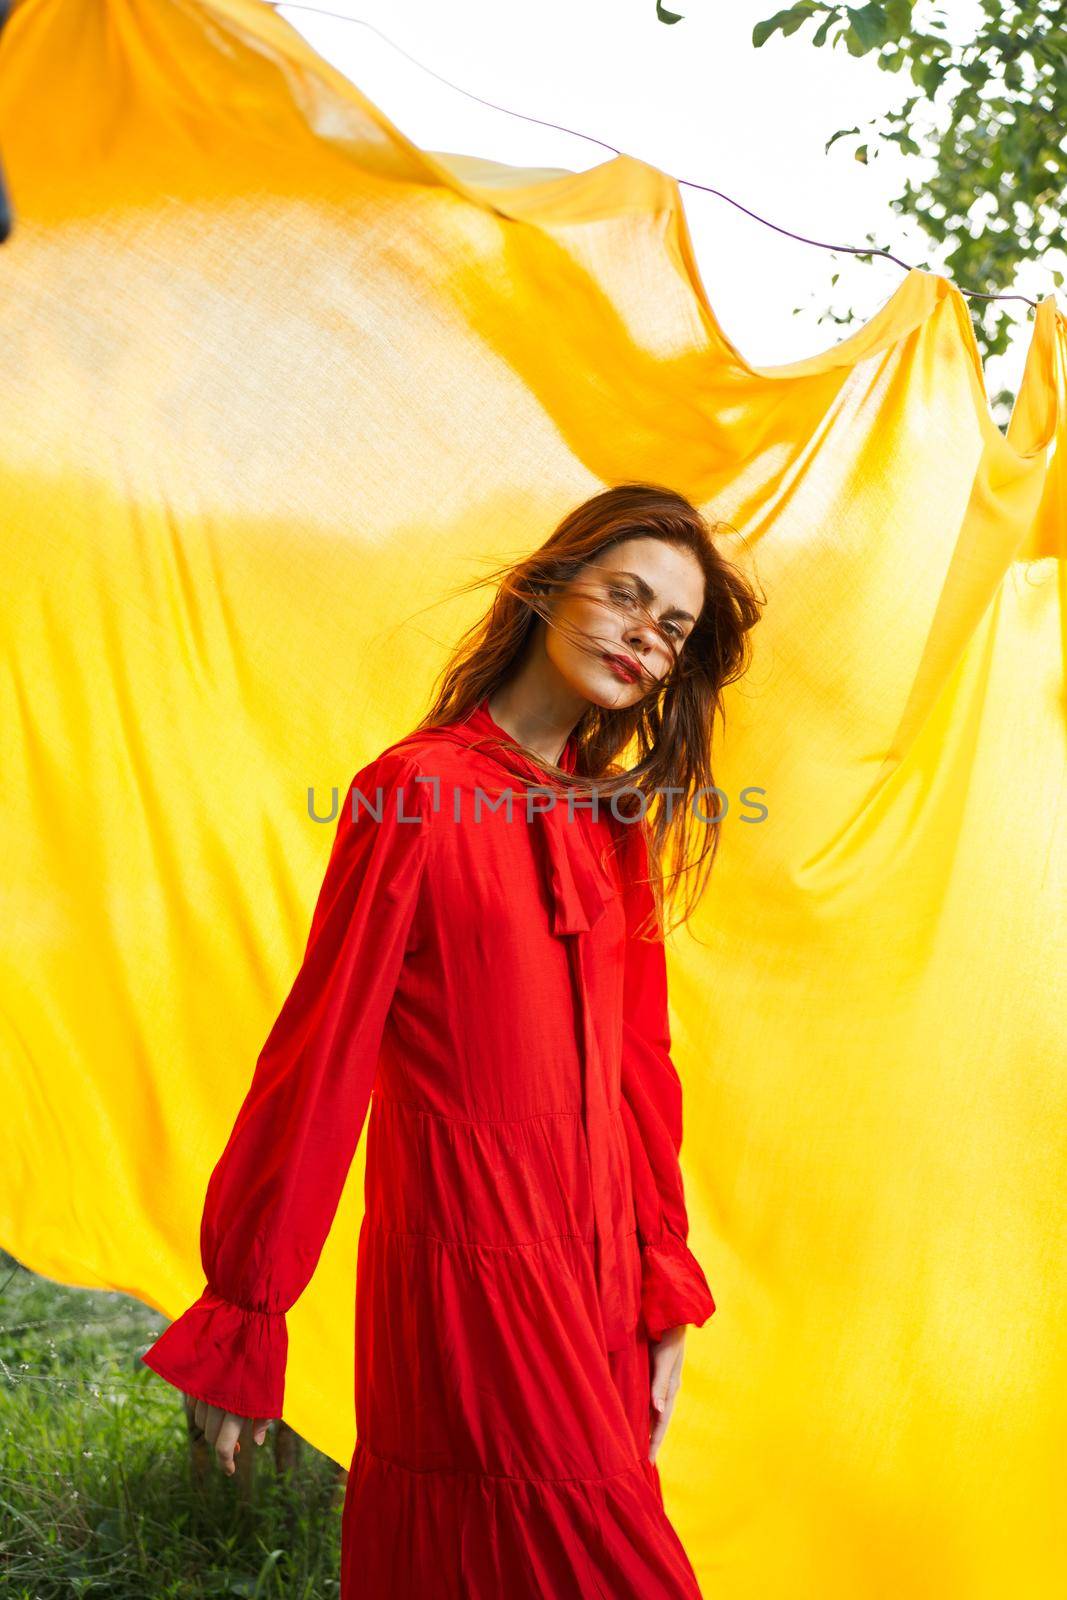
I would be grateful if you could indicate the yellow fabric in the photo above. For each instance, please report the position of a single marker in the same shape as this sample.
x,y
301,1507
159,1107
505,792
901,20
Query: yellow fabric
x,y
275,379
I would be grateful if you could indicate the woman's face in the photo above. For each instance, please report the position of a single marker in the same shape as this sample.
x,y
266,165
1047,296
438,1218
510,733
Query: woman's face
x,y
605,613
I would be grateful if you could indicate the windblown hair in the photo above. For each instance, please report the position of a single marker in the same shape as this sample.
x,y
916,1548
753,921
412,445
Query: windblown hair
x,y
673,725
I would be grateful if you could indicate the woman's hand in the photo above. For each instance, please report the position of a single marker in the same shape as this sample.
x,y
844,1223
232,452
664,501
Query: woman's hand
x,y
665,1356
222,1430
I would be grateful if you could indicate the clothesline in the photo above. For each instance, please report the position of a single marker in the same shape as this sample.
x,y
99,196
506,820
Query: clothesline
x,y
690,183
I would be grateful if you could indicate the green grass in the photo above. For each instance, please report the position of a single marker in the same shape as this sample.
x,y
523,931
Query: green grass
x,y
99,1494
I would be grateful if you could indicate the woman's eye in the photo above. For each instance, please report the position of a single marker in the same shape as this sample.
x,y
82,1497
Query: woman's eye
x,y
628,597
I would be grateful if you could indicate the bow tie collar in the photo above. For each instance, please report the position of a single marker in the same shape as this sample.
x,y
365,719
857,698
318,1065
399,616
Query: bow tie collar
x,y
578,887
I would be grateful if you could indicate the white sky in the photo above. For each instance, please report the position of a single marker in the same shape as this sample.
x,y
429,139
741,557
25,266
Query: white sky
x,y
694,99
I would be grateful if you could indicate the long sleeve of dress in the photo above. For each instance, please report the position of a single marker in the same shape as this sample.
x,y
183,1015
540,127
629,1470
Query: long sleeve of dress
x,y
673,1287
274,1191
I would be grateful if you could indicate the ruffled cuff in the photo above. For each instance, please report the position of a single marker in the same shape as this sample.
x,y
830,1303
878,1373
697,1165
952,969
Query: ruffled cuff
x,y
225,1355
673,1287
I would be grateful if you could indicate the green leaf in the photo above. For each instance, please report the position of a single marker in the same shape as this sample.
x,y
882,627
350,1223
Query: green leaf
x,y
868,25
898,16
932,75
842,133
265,1571
666,16
785,22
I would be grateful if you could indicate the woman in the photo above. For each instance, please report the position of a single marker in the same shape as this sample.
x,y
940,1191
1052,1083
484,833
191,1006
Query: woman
x,y
479,958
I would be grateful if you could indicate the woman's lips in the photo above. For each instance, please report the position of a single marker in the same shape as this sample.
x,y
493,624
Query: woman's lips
x,y
623,668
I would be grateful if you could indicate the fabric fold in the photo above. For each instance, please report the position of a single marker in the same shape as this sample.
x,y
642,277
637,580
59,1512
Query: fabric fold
x,y
674,1289
231,1356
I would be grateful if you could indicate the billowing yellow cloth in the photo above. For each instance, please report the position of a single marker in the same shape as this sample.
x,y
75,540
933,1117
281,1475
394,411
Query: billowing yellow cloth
x,y
274,380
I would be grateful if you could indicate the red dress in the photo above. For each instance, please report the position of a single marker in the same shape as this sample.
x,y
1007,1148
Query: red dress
x,y
476,980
